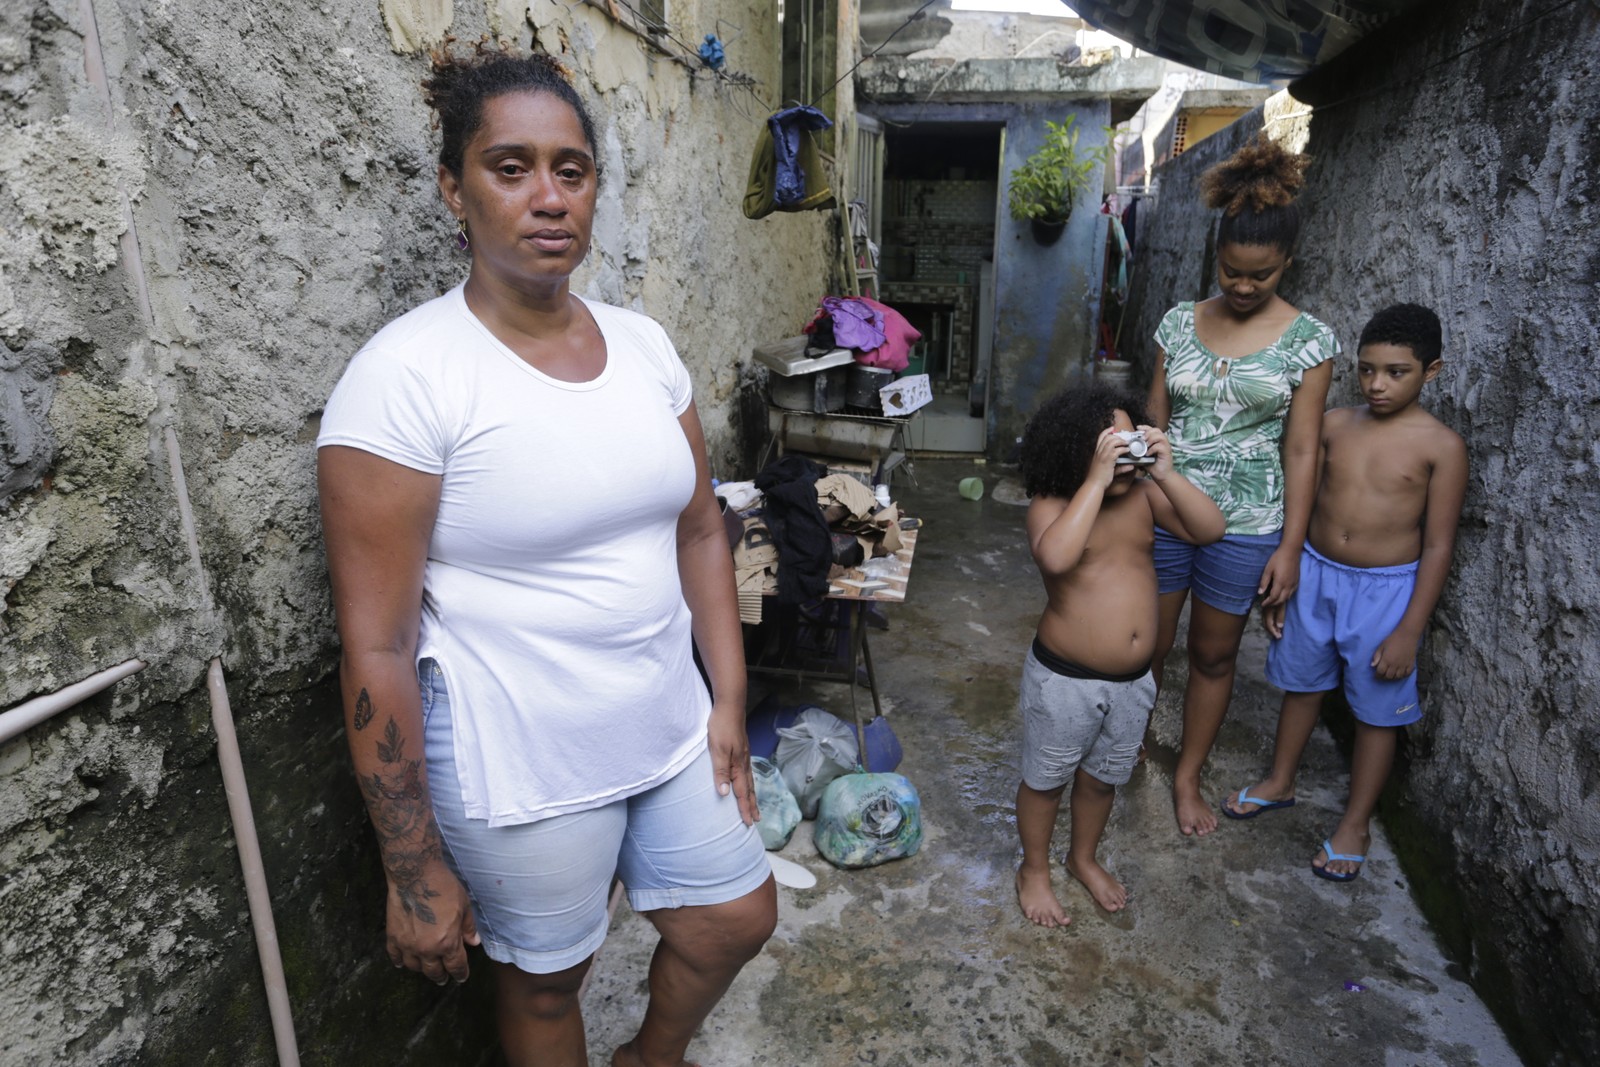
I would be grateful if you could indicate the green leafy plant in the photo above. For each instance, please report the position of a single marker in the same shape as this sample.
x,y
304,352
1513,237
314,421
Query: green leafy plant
x,y
1044,187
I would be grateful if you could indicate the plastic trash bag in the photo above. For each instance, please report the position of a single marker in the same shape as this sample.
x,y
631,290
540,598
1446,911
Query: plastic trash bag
x,y
818,748
883,747
764,721
867,819
780,812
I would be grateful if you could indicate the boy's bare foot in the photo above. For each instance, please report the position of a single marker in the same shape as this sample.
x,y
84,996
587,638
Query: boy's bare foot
x,y
1195,817
1345,843
1109,893
1038,900
1259,797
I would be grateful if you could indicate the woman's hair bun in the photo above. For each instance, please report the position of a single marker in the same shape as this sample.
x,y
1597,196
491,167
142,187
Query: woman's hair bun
x,y
1261,175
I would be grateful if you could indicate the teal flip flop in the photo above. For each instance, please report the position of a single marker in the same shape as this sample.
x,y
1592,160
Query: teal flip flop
x,y
1261,806
1334,876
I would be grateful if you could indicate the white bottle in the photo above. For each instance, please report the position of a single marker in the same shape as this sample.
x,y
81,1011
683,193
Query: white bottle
x,y
881,493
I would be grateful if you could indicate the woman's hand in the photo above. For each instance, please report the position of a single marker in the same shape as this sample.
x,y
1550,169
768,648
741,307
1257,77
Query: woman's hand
x,y
1281,577
730,759
430,924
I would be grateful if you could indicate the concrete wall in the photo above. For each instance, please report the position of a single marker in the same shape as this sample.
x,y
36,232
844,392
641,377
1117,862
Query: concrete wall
x,y
206,208
1470,184
1047,297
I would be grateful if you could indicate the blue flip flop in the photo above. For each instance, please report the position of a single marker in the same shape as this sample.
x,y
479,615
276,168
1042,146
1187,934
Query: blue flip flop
x,y
1334,876
1261,806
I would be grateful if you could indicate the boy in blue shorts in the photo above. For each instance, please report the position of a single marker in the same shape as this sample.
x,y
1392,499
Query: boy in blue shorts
x,y
1375,561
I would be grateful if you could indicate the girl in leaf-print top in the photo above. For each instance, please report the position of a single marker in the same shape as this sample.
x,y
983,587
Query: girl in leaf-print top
x,y
1239,388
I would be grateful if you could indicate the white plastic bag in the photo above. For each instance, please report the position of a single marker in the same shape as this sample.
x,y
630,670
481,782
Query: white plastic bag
x,y
818,748
780,812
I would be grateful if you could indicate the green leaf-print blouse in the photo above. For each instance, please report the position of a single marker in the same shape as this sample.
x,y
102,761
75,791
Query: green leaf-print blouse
x,y
1228,415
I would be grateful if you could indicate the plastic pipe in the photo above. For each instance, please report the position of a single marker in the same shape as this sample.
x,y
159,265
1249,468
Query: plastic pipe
x,y
31,713
255,877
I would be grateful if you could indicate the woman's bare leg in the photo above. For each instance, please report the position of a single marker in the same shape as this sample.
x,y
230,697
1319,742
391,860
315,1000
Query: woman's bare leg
x,y
1213,652
538,1016
1171,608
701,951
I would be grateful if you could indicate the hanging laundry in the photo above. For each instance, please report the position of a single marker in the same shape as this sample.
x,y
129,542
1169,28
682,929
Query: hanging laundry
x,y
786,170
1118,282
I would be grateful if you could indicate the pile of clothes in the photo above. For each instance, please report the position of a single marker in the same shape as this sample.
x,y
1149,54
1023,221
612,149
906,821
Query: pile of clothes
x,y
880,335
799,526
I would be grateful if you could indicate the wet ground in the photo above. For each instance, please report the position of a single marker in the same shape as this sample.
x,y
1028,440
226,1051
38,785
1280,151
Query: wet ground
x,y
1230,951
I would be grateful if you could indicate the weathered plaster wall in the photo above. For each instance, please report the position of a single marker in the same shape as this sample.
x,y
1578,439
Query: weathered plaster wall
x,y
204,210
1470,184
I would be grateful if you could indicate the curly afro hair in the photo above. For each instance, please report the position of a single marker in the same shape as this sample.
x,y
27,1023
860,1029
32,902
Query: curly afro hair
x,y
1060,439
1255,189
1411,325
459,86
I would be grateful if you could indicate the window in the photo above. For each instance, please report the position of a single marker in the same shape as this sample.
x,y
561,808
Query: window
x,y
810,53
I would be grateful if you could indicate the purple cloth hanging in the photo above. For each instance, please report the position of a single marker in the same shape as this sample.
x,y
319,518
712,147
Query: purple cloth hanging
x,y
786,127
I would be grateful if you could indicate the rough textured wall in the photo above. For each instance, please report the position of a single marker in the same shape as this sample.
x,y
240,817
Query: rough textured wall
x,y
205,209
1046,296
1466,178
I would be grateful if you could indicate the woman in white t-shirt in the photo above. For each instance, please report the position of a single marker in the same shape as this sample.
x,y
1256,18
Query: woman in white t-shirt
x,y
524,550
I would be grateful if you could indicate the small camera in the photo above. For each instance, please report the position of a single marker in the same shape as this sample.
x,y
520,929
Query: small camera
x,y
1138,448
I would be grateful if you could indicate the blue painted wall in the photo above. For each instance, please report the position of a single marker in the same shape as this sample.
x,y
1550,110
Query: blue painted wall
x,y
1047,298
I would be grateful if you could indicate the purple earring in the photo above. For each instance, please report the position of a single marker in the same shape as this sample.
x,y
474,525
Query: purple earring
x,y
462,244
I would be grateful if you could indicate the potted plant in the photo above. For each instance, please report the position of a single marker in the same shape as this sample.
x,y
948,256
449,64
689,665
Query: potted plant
x,y
1043,188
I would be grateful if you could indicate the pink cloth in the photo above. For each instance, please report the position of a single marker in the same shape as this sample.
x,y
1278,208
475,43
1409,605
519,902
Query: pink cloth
x,y
899,336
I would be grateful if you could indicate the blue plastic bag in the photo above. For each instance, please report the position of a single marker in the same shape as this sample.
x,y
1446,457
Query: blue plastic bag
x,y
867,819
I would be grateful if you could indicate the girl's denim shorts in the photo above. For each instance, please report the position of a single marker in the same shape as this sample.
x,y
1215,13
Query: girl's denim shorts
x,y
1224,575
539,890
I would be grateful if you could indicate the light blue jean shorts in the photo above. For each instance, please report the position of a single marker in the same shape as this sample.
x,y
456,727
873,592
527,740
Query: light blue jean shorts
x,y
539,890
1224,575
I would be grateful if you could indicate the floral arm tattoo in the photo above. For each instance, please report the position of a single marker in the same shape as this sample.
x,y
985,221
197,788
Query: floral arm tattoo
x,y
407,835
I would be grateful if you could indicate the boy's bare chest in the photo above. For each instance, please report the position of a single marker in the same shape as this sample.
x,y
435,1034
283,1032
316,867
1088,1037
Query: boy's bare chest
x,y
1123,529
1376,462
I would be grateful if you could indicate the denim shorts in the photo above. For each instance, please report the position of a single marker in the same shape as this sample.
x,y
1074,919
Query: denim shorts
x,y
1333,625
539,890
1224,575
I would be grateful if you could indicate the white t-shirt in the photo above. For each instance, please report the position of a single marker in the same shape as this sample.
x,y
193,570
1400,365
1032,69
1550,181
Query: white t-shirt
x,y
551,597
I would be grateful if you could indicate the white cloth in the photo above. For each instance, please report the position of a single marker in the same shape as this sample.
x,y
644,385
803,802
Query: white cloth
x,y
551,597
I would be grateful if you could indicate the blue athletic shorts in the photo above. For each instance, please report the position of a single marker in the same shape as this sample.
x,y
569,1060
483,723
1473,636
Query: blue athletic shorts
x,y
1334,623
1224,575
539,890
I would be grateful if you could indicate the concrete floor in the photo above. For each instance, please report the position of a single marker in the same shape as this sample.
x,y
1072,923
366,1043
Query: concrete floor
x,y
1230,952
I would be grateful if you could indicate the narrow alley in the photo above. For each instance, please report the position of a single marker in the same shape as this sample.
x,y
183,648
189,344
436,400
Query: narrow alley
x,y
1230,952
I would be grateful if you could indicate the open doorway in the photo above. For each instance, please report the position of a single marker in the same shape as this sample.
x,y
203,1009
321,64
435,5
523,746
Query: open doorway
x,y
936,267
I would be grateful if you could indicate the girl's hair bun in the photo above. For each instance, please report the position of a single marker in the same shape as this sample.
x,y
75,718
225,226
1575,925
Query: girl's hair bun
x,y
1261,175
